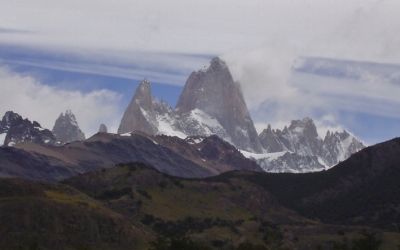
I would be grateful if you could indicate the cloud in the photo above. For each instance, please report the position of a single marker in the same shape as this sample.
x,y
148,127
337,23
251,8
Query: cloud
x,y
276,93
264,73
12,31
260,40
35,101
165,68
357,29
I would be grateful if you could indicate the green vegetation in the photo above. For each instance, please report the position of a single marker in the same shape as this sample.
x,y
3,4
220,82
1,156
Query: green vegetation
x,y
115,193
349,194
133,206
366,241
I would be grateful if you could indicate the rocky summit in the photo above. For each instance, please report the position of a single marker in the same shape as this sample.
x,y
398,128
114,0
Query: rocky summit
x,y
298,148
66,128
103,128
214,91
14,129
210,104
140,116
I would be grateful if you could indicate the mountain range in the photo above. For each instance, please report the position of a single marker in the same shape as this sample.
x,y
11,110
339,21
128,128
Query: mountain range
x,y
195,177
211,103
14,129
192,157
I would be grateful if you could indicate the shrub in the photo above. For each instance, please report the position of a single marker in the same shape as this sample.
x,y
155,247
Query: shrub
x,y
144,193
112,194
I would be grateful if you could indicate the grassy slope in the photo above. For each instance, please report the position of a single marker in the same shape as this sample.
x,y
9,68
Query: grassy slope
x,y
231,210
58,216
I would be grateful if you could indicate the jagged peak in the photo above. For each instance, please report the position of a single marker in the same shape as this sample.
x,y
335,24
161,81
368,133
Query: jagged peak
x,y
305,121
103,128
308,119
143,88
36,124
214,64
144,82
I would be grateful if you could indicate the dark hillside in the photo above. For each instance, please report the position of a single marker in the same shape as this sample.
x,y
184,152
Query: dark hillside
x,y
363,190
56,216
218,214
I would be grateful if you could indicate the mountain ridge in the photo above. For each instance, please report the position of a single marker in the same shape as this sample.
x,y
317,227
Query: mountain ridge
x,y
306,151
193,157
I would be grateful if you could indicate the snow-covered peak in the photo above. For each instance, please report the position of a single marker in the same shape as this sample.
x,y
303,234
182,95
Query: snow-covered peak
x,y
302,140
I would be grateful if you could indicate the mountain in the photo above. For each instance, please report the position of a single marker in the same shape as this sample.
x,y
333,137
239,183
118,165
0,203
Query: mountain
x,y
103,128
140,115
214,91
211,104
362,190
193,157
14,130
66,128
302,150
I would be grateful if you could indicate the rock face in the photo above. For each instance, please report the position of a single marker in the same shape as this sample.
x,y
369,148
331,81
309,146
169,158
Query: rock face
x,y
103,128
307,152
14,129
213,91
338,146
210,104
66,128
140,115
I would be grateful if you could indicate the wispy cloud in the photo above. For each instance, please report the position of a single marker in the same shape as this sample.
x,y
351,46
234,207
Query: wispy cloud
x,y
13,31
165,68
358,29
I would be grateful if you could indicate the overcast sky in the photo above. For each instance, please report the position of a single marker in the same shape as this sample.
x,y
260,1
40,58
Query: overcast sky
x,y
89,56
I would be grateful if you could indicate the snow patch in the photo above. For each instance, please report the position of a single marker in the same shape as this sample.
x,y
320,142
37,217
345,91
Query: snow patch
x,y
2,138
153,141
269,156
165,127
202,117
40,128
206,68
126,134
196,141
321,161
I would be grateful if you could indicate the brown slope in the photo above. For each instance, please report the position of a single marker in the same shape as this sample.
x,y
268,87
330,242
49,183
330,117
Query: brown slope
x,y
167,154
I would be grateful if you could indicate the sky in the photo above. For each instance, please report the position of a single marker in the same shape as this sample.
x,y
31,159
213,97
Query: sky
x,y
89,56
